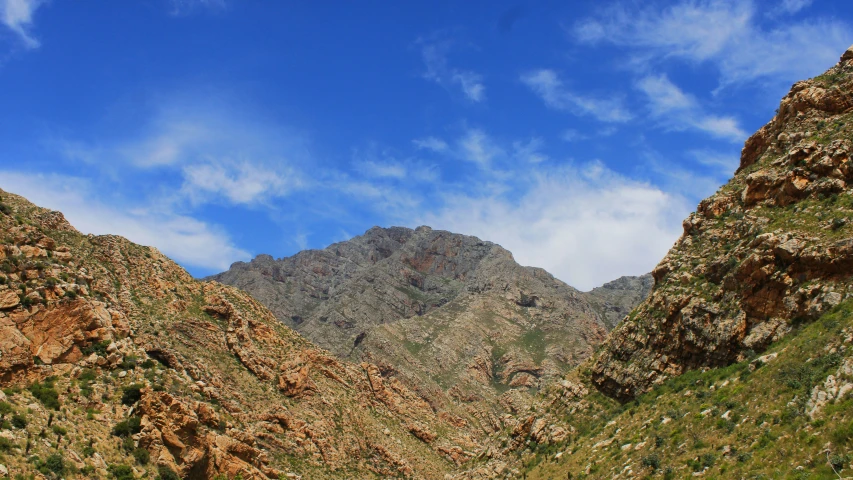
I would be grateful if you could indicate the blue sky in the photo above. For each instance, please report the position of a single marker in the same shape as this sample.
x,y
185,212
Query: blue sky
x,y
577,135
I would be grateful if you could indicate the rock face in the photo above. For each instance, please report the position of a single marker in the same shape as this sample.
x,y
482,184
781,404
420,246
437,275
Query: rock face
x,y
452,315
216,385
614,300
772,247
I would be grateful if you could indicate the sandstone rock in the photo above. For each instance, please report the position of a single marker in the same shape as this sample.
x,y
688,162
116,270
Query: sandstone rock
x,y
8,299
379,297
755,256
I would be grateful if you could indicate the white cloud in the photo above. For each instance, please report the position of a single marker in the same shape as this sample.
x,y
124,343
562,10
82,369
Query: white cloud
x,y
726,33
431,143
185,239
724,163
377,163
434,56
550,88
530,151
585,225
372,168
476,146
17,15
217,153
472,85
794,6
679,110
572,135
240,182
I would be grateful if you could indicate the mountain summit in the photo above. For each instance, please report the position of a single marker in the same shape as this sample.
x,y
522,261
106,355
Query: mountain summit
x,y
449,312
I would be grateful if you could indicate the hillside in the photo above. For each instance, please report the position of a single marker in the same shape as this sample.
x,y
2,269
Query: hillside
x,y
116,363
452,315
739,364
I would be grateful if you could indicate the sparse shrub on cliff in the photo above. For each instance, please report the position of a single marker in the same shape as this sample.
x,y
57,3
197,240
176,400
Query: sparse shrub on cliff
x,y
19,421
99,347
121,472
652,461
46,393
132,393
125,428
166,473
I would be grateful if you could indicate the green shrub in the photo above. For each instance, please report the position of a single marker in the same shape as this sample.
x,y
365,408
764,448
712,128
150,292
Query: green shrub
x,y
125,428
652,461
88,451
837,461
142,456
121,472
132,393
46,394
128,363
843,434
128,445
5,409
19,421
71,295
6,444
100,348
708,460
166,473
55,463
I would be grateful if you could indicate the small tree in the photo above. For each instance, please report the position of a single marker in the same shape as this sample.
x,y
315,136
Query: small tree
x,y
5,409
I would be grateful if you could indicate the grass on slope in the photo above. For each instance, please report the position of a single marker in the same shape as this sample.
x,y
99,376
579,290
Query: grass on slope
x,y
731,422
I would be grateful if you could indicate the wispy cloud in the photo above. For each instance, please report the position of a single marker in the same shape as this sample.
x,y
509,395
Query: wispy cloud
x,y
238,181
547,85
572,135
585,224
434,55
726,33
216,157
17,15
476,146
723,163
529,151
186,239
184,7
431,143
678,110
377,163
794,6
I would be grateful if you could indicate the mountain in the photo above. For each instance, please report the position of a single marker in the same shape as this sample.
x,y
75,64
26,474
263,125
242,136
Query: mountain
x,y
452,315
739,363
116,363
772,248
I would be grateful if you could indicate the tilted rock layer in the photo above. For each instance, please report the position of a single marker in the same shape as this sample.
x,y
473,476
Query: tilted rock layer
x,y
215,383
451,315
772,247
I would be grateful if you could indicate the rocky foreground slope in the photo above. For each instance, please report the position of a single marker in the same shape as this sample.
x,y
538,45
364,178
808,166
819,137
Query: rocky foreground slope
x,y
116,363
773,247
452,315
740,362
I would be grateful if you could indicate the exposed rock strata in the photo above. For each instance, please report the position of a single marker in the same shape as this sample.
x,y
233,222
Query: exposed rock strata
x,y
771,247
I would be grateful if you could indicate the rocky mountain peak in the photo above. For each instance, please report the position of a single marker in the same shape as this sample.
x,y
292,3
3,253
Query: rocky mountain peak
x,y
774,246
451,313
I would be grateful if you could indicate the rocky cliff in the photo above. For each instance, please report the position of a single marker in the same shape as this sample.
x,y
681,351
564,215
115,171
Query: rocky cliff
x,y
116,363
771,249
452,315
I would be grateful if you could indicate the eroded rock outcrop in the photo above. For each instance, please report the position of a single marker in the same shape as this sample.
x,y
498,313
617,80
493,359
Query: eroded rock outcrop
x,y
771,247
